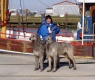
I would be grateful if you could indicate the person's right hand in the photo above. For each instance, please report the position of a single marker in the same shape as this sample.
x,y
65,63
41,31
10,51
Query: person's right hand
x,y
58,25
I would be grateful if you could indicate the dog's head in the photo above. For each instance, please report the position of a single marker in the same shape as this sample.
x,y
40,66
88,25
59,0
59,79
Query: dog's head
x,y
49,40
33,37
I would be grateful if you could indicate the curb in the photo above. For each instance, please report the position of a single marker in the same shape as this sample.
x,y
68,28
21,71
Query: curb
x,y
14,52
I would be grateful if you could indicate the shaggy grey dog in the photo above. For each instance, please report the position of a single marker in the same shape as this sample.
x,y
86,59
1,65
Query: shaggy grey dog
x,y
39,51
54,49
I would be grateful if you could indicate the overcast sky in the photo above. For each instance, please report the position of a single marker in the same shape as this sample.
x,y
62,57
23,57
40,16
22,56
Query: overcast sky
x,y
34,5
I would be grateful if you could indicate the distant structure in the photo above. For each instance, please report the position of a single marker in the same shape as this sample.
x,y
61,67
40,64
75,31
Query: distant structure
x,y
22,12
13,12
49,11
60,9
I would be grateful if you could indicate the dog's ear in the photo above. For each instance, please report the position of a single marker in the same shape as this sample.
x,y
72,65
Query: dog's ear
x,y
48,38
33,35
30,38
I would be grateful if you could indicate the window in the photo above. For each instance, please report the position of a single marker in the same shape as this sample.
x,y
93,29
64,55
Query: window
x,y
55,7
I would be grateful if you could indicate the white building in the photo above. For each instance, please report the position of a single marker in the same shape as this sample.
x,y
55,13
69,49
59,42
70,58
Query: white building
x,y
13,12
86,1
49,11
65,7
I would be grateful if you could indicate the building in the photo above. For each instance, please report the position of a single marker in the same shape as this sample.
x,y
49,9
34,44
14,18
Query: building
x,y
13,12
89,18
89,8
21,12
65,7
86,1
49,11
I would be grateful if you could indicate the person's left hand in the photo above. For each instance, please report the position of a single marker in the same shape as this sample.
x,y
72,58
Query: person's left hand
x,y
50,32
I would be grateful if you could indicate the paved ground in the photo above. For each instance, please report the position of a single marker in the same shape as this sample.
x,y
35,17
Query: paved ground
x,y
21,67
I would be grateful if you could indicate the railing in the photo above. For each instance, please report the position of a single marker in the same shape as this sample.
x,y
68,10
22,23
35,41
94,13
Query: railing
x,y
90,34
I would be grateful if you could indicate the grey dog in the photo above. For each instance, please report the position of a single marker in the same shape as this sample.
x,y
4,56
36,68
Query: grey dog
x,y
38,50
54,49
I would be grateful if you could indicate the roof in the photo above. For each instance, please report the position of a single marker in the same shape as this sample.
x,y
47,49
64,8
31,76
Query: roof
x,y
48,8
86,1
64,2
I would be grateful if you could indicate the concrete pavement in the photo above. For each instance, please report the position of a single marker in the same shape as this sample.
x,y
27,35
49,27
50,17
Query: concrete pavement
x,y
21,67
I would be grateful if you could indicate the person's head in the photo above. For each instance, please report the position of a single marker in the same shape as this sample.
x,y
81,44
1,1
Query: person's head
x,y
48,19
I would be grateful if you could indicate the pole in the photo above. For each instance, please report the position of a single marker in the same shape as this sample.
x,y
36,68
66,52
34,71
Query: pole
x,y
22,18
26,17
4,7
66,16
83,21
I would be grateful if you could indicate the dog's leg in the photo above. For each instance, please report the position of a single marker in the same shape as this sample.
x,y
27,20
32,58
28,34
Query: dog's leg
x,y
58,61
70,63
69,60
55,64
36,63
41,62
74,63
49,59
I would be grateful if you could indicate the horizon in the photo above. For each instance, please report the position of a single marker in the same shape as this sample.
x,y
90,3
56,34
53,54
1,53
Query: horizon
x,y
42,4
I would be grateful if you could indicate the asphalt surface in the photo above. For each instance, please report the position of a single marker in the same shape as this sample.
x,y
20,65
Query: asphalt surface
x,y
21,67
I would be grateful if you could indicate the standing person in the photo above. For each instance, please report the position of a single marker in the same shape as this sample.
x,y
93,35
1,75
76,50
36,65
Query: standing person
x,y
48,28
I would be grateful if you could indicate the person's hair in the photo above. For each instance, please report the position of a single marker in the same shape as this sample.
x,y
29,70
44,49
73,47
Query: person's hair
x,y
48,17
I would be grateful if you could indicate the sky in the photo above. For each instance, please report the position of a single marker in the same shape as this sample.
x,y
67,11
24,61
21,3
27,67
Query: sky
x,y
33,5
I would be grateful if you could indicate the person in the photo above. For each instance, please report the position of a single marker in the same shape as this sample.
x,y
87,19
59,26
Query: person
x,y
48,28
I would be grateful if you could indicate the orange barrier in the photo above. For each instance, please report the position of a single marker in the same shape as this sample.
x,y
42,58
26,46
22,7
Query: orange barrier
x,y
16,45
77,43
86,50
